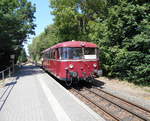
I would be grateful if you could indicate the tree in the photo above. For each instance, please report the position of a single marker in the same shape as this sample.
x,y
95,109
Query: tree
x,y
23,56
43,41
72,16
124,40
16,23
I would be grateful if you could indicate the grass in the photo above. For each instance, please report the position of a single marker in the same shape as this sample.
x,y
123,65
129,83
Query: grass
x,y
142,83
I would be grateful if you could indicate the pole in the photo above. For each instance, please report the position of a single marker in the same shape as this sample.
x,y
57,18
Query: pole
x,y
9,72
13,58
13,66
3,76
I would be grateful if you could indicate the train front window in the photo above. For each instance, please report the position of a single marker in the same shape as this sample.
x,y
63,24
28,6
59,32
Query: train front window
x,y
75,53
71,53
90,53
63,53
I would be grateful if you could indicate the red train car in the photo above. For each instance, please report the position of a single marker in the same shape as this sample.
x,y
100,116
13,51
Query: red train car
x,y
72,61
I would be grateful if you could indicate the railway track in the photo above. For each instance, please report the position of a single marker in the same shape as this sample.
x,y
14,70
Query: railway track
x,y
111,106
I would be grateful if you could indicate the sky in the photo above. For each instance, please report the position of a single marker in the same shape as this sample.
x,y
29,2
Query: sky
x,y
43,18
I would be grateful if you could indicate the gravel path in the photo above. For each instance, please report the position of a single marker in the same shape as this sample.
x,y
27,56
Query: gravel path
x,y
135,94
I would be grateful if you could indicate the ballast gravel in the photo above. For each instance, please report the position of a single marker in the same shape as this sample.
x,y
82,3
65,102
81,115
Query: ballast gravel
x,y
125,90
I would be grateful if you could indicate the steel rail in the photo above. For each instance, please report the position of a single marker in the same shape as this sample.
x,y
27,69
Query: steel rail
x,y
122,107
137,106
102,108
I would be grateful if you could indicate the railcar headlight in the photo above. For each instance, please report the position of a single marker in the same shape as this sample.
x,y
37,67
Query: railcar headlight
x,y
71,66
94,65
73,74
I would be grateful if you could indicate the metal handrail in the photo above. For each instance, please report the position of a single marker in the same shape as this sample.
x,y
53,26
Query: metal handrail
x,y
7,69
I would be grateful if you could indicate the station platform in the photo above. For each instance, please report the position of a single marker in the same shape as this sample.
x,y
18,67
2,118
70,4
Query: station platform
x,y
36,96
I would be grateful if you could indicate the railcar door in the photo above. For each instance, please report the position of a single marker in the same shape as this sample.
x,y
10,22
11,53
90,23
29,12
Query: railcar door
x,y
57,62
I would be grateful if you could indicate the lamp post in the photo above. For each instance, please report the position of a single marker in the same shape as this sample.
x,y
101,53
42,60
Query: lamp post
x,y
13,63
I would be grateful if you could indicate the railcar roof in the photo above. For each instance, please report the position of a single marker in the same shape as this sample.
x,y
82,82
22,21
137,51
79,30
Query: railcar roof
x,y
46,50
72,44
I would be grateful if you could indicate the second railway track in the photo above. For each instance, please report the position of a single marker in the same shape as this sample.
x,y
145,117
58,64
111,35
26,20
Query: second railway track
x,y
112,106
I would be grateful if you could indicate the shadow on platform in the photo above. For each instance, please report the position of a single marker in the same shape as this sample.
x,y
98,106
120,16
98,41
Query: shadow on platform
x,y
11,83
28,70
25,70
6,92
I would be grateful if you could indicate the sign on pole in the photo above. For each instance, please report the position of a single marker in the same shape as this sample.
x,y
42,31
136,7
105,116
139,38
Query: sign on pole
x,y
12,56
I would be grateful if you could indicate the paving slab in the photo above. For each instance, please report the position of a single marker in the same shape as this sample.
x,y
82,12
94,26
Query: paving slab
x,y
35,96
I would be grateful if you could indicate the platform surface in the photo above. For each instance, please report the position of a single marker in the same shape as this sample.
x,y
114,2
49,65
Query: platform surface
x,y
35,96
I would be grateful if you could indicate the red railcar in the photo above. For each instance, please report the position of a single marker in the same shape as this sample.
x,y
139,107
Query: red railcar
x,y
72,61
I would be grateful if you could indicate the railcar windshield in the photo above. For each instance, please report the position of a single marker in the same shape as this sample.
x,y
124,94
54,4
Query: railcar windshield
x,y
78,53
71,53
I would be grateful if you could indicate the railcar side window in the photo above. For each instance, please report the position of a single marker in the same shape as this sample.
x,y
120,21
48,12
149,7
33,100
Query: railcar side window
x,y
50,54
57,53
89,51
53,54
46,55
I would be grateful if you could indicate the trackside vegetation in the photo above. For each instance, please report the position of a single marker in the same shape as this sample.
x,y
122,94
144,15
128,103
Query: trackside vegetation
x,y
16,23
43,41
121,29
22,57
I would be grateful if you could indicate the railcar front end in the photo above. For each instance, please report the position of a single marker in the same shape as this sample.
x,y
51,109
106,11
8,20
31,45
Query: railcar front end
x,y
78,63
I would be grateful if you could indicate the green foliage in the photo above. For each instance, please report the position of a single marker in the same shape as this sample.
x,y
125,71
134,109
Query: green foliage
x,y
22,57
125,41
16,23
72,17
